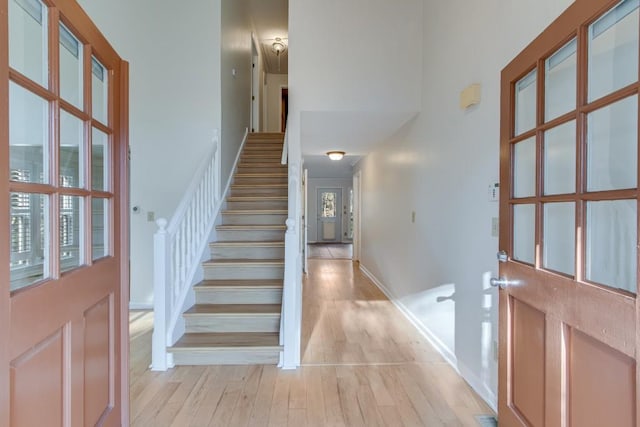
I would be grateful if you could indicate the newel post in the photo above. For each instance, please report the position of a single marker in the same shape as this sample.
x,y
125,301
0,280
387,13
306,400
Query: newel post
x,y
161,271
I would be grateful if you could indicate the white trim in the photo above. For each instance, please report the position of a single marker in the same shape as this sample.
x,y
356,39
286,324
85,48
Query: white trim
x,y
467,374
140,306
235,166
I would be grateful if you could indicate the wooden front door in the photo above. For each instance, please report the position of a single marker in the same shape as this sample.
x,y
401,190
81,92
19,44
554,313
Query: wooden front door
x,y
569,229
63,190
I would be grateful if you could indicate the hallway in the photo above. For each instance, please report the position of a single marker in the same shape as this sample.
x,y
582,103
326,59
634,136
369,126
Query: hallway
x,y
363,365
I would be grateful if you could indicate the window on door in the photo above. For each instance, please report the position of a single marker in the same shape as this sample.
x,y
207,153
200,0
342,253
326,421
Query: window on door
x,y
60,148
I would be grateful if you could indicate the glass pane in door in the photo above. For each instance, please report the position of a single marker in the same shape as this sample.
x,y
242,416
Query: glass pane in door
x,y
99,91
71,88
71,235
559,237
524,233
613,50
560,81
525,114
524,168
71,151
328,208
99,160
612,146
28,134
611,243
28,39
29,234
99,228
560,159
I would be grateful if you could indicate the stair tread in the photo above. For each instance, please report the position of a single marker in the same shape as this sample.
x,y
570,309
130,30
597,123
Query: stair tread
x,y
250,227
234,261
193,341
261,174
255,212
258,185
234,309
258,197
205,284
233,243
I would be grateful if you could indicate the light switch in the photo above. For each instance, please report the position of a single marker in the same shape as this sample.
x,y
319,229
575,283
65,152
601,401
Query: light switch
x,y
151,216
494,192
413,217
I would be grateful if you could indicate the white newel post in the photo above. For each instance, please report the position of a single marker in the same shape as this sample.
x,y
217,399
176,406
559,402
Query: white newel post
x,y
161,278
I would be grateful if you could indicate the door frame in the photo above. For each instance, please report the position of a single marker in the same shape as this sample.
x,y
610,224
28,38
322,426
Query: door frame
x,y
357,209
120,216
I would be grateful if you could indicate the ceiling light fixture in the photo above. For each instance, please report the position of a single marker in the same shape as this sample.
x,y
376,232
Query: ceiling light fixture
x,y
336,155
278,47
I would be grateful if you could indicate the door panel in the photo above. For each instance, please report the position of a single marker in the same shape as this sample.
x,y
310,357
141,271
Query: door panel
x,y
569,222
63,292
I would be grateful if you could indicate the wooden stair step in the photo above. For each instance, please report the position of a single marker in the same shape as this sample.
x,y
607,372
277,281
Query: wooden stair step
x,y
261,174
261,197
248,310
261,244
238,284
233,340
250,227
257,185
243,262
255,211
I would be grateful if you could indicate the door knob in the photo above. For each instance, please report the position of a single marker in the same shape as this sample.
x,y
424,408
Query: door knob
x,y
502,283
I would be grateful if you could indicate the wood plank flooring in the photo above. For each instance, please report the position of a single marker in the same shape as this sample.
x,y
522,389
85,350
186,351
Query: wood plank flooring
x,y
363,365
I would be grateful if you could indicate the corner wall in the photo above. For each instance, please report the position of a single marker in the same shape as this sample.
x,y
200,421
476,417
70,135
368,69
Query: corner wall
x,y
439,166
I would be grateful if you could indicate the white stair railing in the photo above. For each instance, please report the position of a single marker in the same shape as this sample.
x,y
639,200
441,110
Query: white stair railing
x,y
292,291
178,245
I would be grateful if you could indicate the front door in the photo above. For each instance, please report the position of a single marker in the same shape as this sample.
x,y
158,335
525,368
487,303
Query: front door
x,y
569,229
63,258
329,206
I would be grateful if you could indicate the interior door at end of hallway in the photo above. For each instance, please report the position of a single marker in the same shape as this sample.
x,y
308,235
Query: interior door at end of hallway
x,y
329,207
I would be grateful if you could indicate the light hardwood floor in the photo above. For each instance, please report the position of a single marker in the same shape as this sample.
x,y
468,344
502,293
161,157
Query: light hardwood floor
x,y
364,364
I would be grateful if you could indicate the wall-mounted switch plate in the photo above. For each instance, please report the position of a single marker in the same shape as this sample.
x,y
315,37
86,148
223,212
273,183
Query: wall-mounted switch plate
x,y
494,192
151,216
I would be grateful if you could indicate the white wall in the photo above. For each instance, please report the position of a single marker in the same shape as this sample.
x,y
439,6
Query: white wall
x,y
312,204
175,98
236,54
440,165
273,105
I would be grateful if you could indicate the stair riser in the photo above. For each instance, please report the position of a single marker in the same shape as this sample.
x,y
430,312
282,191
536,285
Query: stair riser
x,y
253,158
261,169
258,219
260,205
247,252
240,296
227,357
214,323
236,272
263,146
261,191
250,235
260,180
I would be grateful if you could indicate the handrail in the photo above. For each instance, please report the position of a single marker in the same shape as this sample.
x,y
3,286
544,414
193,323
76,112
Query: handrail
x,y
285,146
178,245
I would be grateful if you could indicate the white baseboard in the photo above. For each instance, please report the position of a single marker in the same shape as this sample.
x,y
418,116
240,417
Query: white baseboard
x,y
470,377
140,306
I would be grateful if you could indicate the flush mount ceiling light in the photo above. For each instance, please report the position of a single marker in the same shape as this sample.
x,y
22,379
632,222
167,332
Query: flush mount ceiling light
x,y
335,155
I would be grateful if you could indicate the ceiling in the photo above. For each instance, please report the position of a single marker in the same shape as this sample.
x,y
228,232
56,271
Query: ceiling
x,y
271,20
323,167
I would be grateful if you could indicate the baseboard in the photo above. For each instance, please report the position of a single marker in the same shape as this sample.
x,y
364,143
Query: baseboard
x,y
140,306
472,379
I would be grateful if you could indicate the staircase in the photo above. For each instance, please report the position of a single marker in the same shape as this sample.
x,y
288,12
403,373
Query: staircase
x,y
236,317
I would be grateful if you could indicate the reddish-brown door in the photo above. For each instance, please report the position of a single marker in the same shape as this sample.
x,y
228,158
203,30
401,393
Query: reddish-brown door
x,y
63,164
569,209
